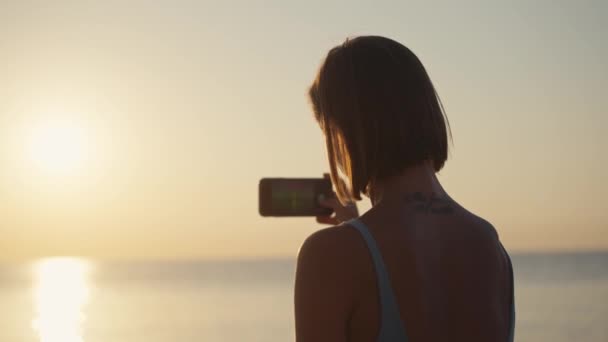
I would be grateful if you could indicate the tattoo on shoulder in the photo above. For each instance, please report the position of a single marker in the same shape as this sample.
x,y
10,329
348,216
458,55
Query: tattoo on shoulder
x,y
433,204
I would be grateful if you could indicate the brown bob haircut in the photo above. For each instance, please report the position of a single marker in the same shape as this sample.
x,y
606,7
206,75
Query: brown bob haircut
x,y
379,111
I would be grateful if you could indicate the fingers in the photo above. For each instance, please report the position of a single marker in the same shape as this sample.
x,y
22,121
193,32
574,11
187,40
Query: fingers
x,y
342,213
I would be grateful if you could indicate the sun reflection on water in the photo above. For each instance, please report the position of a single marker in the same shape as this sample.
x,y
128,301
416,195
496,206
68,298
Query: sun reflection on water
x,y
61,293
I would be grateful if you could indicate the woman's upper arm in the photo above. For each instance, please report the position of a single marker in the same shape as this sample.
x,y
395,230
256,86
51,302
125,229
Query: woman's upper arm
x,y
324,287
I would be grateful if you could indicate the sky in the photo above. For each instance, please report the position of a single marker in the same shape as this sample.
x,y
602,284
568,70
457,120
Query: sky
x,y
140,129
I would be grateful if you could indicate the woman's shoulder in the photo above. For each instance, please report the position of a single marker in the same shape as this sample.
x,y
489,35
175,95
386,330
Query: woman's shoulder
x,y
470,239
337,253
332,244
475,228
331,274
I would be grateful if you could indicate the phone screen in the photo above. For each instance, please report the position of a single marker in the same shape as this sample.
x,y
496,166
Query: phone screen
x,y
293,196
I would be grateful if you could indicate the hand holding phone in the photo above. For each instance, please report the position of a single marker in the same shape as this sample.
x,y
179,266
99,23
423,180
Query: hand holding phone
x,y
341,212
303,197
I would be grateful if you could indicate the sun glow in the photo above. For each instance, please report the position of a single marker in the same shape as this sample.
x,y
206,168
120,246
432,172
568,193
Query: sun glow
x,y
58,147
60,296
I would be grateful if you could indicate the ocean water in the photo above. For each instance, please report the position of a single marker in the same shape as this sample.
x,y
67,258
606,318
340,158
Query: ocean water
x,y
560,297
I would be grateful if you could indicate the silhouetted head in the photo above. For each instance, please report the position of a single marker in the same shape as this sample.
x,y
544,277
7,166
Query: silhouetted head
x,y
379,111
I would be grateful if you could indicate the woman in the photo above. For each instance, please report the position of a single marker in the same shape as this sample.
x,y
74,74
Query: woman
x,y
417,266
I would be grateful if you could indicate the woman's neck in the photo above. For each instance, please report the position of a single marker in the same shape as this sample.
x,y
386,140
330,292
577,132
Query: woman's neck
x,y
417,179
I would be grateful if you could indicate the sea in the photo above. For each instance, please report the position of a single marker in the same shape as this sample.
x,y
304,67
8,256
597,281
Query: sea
x,y
560,297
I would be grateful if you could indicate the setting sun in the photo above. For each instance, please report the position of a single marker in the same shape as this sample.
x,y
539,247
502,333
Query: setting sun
x,y
57,147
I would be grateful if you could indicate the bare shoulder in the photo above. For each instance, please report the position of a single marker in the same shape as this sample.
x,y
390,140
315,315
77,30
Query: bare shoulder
x,y
477,228
331,266
331,244
477,238
337,253
327,284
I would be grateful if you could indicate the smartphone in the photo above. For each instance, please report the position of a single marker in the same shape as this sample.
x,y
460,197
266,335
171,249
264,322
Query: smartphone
x,y
294,196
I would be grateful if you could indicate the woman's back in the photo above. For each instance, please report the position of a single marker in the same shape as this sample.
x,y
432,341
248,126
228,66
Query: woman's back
x,y
448,271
